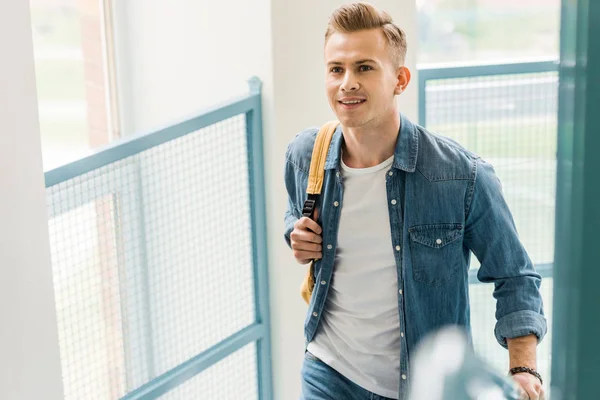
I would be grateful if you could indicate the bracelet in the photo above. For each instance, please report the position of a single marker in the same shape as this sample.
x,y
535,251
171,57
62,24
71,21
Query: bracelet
x,y
531,371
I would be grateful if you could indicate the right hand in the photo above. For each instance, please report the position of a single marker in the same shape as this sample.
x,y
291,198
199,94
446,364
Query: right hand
x,y
306,240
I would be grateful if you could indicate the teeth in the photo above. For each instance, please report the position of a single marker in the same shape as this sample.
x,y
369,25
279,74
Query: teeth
x,y
352,102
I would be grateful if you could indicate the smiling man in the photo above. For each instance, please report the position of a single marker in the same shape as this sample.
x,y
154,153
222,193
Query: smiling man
x,y
400,212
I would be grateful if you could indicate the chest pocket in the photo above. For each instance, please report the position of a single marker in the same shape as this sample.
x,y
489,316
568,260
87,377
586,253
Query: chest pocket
x,y
436,252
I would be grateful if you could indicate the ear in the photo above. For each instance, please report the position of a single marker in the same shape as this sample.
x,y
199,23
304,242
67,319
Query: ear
x,y
403,75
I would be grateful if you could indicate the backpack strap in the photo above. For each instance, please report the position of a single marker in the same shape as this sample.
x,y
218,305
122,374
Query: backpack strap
x,y
316,173
315,184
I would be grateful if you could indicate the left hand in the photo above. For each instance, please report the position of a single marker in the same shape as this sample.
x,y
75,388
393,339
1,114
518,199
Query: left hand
x,y
530,385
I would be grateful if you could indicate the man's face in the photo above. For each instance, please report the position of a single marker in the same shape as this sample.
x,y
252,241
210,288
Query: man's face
x,y
361,78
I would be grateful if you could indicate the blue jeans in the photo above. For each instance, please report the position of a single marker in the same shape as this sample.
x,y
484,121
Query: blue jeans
x,y
321,382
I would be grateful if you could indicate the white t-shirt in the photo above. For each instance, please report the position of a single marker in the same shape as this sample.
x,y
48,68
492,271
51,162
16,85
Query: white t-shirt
x,y
359,332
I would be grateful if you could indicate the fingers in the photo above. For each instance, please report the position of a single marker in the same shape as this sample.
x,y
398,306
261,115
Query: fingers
x,y
524,395
306,235
306,246
298,235
530,386
305,250
305,223
304,257
306,240
533,392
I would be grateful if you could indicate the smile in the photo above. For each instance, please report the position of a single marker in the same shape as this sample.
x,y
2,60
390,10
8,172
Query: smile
x,y
349,104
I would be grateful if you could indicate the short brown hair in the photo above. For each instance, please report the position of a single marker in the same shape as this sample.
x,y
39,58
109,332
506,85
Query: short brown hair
x,y
361,16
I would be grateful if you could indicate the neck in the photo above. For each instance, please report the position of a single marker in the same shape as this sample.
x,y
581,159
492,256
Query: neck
x,y
371,145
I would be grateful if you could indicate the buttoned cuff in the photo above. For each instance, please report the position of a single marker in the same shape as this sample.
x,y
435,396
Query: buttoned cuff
x,y
520,323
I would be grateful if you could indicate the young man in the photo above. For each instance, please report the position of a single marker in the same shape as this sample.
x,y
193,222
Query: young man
x,y
399,213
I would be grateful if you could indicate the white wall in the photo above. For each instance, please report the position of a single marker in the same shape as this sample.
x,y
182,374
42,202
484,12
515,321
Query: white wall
x,y
177,57
29,353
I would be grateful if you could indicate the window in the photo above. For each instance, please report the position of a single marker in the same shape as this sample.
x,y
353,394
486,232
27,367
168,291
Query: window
x,y
508,118
72,42
484,30
75,80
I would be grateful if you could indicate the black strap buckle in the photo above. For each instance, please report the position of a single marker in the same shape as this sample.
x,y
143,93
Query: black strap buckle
x,y
310,206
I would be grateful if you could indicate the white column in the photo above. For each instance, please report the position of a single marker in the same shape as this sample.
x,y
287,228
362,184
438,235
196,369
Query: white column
x,y
296,100
29,352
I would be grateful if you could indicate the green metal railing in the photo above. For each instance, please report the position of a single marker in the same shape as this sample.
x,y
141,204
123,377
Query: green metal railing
x,y
160,263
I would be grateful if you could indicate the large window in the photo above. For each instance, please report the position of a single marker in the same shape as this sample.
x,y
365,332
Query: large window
x,y
77,112
484,30
507,114
75,82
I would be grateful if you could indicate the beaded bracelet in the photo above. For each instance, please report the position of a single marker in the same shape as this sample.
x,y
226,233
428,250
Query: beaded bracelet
x,y
533,372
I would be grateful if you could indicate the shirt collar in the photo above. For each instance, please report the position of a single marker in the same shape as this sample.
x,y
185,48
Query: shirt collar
x,y
405,155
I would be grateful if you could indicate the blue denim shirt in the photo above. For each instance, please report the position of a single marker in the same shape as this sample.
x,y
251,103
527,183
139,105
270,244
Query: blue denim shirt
x,y
444,202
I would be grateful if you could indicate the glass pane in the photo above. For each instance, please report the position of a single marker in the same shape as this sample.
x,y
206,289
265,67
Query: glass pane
x,y
233,378
72,82
483,30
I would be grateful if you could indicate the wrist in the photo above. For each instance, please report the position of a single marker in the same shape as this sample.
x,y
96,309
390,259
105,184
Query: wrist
x,y
531,371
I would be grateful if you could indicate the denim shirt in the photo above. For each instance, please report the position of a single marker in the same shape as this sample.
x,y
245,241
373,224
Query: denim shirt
x,y
444,202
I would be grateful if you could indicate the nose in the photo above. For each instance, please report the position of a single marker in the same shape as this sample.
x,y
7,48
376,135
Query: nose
x,y
350,83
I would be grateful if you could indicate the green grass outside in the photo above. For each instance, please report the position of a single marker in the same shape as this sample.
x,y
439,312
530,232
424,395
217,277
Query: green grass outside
x,y
64,133
56,28
537,31
522,138
489,33
60,80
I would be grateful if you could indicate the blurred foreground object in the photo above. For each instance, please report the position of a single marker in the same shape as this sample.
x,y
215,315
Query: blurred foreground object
x,y
445,367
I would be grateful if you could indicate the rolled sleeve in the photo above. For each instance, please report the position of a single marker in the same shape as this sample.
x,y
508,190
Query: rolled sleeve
x,y
294,193
491,234
289,221
520,323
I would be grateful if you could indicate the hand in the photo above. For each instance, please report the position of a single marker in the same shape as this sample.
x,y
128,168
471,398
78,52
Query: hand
x,y
530,385
306,240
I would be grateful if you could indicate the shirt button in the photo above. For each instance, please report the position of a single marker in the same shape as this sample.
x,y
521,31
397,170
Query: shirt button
x,y
402,334
438,241
394,202
391,173
400,291
323,282
315,314
337,174
398,248
403,377
336,204
329,247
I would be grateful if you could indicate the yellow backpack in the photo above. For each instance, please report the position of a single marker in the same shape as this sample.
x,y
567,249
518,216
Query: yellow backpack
x,y
313,189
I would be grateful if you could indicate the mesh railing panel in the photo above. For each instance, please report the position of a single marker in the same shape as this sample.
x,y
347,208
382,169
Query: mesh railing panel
x,y
152,260
511,121
233,378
